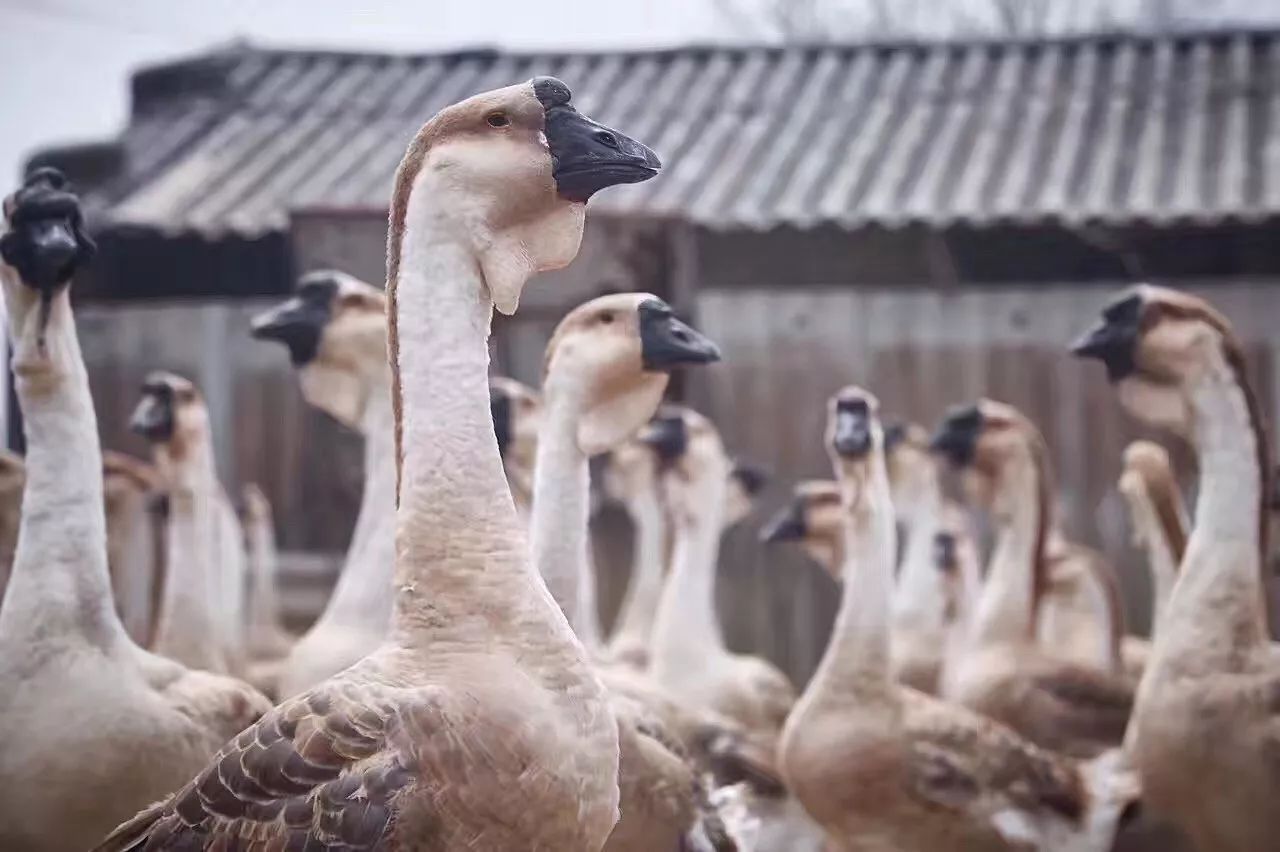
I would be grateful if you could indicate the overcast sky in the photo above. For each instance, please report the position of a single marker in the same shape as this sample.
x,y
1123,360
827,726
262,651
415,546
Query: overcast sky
x,y
66,62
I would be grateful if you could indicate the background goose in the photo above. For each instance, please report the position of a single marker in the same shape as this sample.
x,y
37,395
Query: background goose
x,y
134,542
479,723
517,416
13,478
335,329
883,766
1003,670
1159,520
94,727
1206,708
607,367
202,615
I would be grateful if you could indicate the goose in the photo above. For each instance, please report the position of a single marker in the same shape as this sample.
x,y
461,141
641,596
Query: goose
x,y
1003,671
266,640
335,329
517,416
631,477
13,478
1158,517
882,766
1081,609
94,726
689,656
129,487
936,586
607,366
201,620
479,724
1206,719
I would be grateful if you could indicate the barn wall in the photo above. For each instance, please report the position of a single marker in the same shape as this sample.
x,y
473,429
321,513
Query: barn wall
x,y
786,350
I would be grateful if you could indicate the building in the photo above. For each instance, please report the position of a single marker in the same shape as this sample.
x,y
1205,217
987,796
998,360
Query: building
x,y
933,220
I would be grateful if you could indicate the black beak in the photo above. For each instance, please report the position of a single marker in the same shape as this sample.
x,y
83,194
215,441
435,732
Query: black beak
x,y
586,156
500,408
944,552
852,436
666,435
666,342
153,418
957,437
1114,339
297,323
787,525
751,477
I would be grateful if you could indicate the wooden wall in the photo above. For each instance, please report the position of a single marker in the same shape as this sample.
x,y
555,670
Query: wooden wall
x,y
920,351
785,351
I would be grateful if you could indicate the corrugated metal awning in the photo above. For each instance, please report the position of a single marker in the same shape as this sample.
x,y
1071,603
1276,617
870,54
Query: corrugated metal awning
x,y
1110,130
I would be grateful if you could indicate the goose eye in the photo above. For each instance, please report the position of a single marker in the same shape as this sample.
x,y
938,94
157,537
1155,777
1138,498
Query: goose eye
x,y
497,119
606,318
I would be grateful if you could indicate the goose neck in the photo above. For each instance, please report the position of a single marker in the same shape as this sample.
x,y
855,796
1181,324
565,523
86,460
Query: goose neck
x,y
560,513
648,566
1007,606
59,585
686,621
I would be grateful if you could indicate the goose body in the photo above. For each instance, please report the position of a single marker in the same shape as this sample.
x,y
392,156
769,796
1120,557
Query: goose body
x,y
478,724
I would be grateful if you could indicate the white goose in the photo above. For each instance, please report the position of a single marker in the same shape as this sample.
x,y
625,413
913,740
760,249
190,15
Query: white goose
x,y
335,327
479,724
94,727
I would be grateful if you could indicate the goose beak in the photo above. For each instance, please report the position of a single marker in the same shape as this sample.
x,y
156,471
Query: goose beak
x,y
666,436
500,408
296,324
1112,344
153,419
944,552
957,437
666,342
587,156
787,525
45,241
852,435
751,477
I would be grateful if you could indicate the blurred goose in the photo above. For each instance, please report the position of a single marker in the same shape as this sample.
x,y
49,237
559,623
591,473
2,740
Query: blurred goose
x,y
94,727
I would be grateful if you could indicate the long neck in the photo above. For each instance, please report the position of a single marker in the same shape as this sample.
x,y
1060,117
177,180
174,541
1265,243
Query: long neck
x,y
687,623
648,566
463,574
263,610
857,657
559,531
60,586
1218,608
920,604
190,627
1006,608
362,597
1161,559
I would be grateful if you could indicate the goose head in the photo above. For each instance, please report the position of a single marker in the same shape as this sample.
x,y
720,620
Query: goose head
x,y
1156,345
746,481
630,475
695,466
912,467
988,442
517,417
335,328
613,357
43,243
507,174
812,519
854,441
171,415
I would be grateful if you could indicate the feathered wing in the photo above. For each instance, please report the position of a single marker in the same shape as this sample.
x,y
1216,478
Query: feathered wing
x,y
1077,710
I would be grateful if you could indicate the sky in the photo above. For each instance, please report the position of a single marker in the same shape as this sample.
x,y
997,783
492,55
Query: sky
x,y
66,63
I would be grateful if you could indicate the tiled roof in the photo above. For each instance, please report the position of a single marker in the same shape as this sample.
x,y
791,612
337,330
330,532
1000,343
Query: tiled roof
x,y
1117,130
